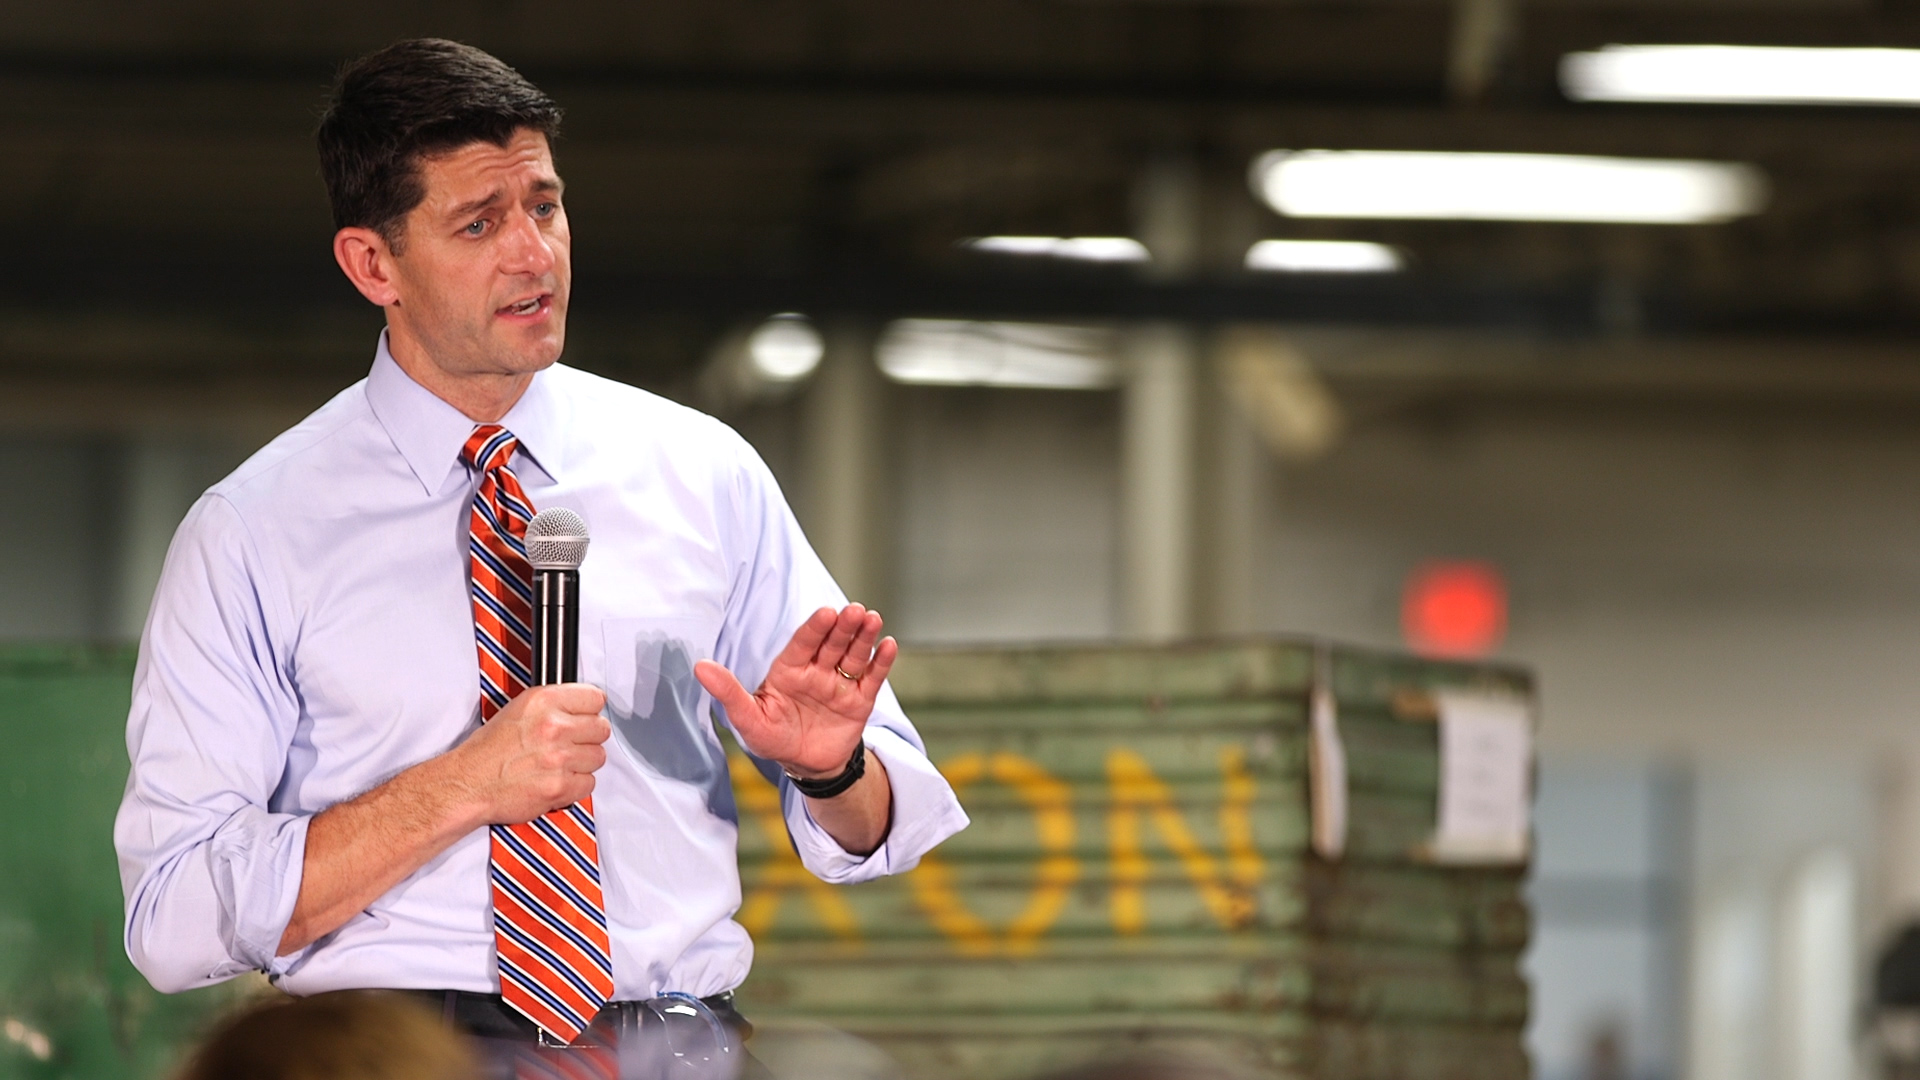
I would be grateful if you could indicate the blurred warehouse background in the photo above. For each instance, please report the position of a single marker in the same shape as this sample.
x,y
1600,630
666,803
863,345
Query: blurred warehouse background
x,y
1013,296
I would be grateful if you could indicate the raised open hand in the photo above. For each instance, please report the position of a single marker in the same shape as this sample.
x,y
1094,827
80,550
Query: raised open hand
x,y
812,709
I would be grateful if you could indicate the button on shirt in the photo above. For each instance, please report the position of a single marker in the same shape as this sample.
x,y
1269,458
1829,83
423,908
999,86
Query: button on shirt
x,y
312,636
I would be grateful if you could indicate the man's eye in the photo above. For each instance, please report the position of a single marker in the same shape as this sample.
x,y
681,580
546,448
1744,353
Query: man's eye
x,y
476,228
546,209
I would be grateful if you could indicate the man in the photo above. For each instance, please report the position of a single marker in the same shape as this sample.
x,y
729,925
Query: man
x,y
339,775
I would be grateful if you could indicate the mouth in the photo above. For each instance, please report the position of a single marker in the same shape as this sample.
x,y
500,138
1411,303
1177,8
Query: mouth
x,y
531,306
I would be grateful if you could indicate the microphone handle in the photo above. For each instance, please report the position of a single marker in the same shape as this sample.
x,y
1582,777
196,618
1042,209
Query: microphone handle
x,y
556,627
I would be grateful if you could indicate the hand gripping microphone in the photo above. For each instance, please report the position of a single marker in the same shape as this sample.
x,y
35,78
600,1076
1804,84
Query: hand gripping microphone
x,y
556,543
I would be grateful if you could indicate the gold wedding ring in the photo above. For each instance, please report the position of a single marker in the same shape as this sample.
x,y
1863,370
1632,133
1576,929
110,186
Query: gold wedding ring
x,y
845,674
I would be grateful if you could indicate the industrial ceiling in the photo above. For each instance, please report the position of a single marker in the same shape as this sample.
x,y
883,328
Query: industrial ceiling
x,y
733,158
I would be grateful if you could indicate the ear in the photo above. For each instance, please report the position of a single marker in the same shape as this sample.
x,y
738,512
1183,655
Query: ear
x,y
366,259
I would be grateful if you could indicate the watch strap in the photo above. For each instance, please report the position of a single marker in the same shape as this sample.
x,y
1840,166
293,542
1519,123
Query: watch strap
x,y
828,787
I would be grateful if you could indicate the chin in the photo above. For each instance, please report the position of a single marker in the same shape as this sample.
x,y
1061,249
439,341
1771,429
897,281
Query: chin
x,y
529,358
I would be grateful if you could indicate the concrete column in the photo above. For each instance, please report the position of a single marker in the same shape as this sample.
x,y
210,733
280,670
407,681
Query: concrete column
x,y
1156,482
1899,899
1166,217
1816,942
1231,483
1727,984
1483,35
1158,419
1263,404
844,508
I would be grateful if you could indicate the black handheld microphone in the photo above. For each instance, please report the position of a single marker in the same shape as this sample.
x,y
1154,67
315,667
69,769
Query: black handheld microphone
x,y
556,544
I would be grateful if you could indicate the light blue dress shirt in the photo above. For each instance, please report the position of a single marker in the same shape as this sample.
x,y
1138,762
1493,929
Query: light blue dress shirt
x,y
312,636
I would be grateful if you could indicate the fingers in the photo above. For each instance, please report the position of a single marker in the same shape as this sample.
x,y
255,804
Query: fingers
x,y
849,647
589,730
540,753
726,689
843,639
883,658
845,625
576,790
572,788
569,712
858,656
583,758
806,640
571,697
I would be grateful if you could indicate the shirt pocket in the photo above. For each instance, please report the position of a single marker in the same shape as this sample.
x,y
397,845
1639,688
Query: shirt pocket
x,y
660,714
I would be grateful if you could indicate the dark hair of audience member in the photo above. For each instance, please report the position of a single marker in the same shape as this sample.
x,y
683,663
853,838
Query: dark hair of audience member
x,y
344,1035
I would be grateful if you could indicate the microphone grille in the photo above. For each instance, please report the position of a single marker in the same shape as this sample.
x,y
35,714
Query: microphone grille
x,y
556,539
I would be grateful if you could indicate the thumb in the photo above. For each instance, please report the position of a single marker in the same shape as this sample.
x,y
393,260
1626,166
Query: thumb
x,y
727,691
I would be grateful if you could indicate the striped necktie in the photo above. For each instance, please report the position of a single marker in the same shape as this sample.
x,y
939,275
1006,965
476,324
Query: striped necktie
x,y
549,924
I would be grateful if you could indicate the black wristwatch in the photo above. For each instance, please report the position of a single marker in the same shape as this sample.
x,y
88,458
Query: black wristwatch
x,y
828,787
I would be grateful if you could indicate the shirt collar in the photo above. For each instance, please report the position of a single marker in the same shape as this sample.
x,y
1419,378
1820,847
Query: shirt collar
x,y
429,433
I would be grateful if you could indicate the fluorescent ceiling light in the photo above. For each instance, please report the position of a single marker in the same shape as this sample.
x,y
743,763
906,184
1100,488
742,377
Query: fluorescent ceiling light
x,y
1743,74
1505,187
1324,257
1083,248
785,348
948,352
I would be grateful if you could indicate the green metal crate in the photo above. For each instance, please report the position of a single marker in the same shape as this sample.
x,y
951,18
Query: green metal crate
x,y
67,989
1138,875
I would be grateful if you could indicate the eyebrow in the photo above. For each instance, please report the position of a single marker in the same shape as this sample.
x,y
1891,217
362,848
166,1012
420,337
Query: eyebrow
x,y
468,209
551,185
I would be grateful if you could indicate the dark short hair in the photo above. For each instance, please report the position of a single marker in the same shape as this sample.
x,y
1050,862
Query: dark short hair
x,y
407,102
340,1035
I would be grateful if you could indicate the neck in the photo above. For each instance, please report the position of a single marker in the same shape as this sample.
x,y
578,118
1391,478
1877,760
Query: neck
x,y
483,397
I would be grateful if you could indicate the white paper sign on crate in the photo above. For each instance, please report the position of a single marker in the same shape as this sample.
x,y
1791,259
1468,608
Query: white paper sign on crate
x,y
1486,779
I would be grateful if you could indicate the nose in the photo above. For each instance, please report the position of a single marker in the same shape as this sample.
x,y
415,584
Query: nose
x,y
527,249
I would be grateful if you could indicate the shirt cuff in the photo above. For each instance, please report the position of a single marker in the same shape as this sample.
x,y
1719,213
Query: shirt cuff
x,y
925,812
257,859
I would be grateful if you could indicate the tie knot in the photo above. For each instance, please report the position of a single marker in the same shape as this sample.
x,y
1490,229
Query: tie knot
x,y
489,447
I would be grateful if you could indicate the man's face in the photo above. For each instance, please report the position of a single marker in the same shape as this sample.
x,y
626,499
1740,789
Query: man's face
x,y
484,265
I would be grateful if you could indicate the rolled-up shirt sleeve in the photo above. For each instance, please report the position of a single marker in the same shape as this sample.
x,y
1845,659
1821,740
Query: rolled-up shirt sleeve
x,y
209,872
778,582
925,810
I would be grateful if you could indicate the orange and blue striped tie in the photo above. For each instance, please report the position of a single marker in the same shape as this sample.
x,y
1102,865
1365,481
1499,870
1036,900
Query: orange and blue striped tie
x,y
549,922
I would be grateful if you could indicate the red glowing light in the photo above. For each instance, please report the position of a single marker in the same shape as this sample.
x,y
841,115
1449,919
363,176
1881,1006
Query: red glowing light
x,y
1454,609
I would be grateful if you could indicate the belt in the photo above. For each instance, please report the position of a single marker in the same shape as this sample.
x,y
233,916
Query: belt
x,y
488,1016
